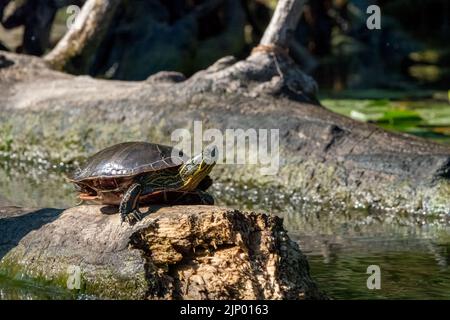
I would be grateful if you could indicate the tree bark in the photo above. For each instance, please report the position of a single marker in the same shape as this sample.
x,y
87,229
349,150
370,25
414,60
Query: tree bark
x,y
283,23
181,252
84,36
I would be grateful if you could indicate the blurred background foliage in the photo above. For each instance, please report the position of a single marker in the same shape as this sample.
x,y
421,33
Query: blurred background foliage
x,y
332,41
393,68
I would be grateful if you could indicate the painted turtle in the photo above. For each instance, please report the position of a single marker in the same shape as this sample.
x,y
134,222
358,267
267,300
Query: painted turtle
x,y
130,173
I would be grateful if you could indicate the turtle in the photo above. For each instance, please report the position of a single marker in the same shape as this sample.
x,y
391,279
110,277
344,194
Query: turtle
x,y
130,173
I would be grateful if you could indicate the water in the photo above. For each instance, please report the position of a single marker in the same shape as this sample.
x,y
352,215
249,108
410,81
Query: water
x,y
412,252
28,290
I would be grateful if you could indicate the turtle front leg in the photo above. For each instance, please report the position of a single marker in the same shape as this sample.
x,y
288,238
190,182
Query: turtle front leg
x,y
205,197
128,208
195,197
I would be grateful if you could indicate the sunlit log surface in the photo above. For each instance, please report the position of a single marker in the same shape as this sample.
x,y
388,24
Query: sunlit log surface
x,y
180,252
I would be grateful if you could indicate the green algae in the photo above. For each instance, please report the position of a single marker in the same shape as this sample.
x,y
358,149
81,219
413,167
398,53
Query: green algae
x,y
100,283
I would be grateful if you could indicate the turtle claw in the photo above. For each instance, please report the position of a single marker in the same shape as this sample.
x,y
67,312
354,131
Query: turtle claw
x,y
132,217
122,219
136,215
79,203
128,207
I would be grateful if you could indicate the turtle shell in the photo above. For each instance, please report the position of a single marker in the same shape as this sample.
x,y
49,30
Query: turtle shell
x,y
128,159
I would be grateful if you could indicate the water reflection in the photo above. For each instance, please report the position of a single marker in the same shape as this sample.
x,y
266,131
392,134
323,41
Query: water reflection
x,y
14,289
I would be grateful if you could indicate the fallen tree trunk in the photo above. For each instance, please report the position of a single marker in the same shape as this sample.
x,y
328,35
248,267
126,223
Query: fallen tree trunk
x,y
47,115
181,252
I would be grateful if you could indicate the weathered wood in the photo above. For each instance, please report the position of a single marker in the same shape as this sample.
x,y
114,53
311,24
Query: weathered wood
x,y
283,23
324,156
181,252
84,35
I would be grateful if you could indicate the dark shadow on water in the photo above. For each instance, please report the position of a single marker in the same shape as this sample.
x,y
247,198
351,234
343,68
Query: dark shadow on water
x,y
15,227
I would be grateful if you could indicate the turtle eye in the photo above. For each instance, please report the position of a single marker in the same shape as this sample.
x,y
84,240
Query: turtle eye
x,y
213,153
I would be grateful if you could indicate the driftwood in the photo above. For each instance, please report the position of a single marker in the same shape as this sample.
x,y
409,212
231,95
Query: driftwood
x,y
181,252
324,156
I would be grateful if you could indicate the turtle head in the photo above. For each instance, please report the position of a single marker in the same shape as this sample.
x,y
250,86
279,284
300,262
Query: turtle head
x,y
194,170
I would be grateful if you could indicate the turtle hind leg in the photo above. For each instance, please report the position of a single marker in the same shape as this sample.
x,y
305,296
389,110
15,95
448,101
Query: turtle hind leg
x,y
128,208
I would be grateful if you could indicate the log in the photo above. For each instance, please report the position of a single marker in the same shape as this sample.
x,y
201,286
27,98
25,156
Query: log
x,y
179,252
328,158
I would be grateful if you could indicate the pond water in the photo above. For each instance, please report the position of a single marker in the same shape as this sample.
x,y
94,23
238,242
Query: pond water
x,y
413,252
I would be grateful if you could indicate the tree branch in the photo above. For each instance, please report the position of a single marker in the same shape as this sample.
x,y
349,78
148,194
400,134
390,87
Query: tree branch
x,y
85,34
283,23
